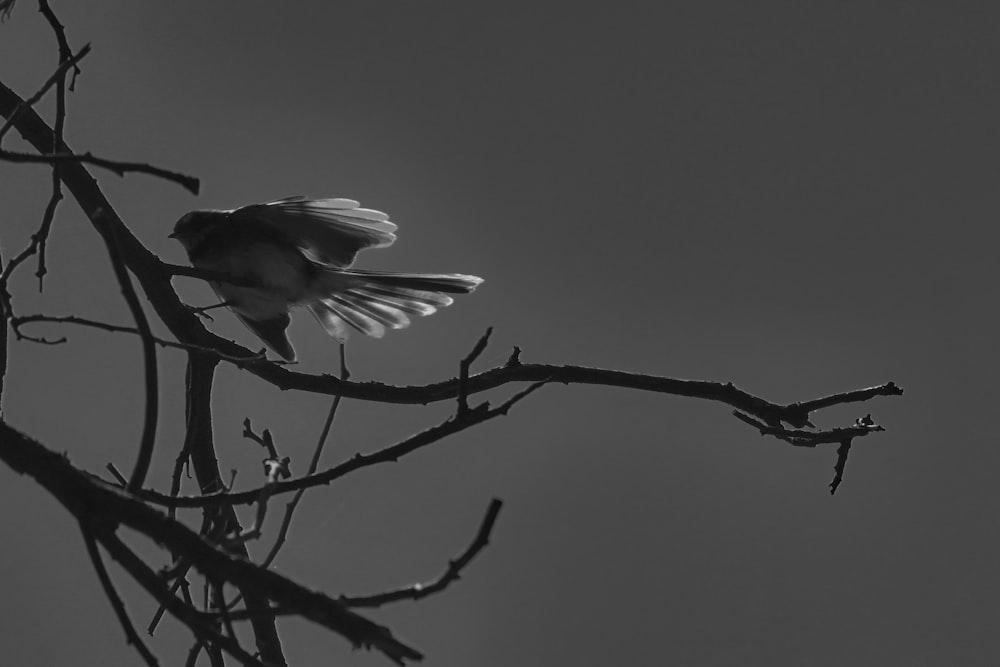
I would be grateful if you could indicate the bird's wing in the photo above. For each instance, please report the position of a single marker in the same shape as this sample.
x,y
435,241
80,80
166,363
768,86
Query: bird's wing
x,y
331,231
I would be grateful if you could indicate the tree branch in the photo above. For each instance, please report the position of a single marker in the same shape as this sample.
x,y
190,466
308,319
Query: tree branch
x,y
187,328
451,574
131,636
200,447
57,76
117,167
391,454
91,499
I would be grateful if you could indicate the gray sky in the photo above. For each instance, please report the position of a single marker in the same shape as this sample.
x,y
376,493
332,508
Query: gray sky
x,y
796,197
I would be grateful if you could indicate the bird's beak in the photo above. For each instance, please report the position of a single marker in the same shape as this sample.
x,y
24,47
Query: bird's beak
x,y
172,235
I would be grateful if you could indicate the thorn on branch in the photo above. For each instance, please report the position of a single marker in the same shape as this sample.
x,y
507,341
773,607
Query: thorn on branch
x,y
514,359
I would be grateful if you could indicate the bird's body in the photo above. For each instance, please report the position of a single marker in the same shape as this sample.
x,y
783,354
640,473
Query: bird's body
x,y
299,251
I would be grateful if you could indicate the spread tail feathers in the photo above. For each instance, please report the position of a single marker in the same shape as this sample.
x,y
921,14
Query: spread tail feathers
x,y
371,302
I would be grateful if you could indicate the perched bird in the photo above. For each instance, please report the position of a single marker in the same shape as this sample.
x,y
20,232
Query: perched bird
x,y
299,251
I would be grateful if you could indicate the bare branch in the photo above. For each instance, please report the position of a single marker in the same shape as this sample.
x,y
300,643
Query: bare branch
x,y
199,445
200,624
56,77
451,574
84,495
463,370
120,478
117,167
803,438
286,520
148,440
131,636
390,454
19,321
838,468
187,328
60,32
855,396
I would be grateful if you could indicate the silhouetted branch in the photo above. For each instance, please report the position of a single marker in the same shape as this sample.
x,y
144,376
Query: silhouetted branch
x,y
838,468
56,77
200,624
131,636
60,32
450,426
187,328
463,370
803,438
19,321
199,444
286,520
117,167
218,552
88,498
148,438
455,567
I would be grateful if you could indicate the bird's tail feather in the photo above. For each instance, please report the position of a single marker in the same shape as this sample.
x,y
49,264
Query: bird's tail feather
x,y
371,302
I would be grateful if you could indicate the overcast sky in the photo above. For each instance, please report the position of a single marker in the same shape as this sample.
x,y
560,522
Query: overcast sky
x,y
796,197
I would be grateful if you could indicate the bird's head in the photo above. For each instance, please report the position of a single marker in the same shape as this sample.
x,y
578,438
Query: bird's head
x,y
193,227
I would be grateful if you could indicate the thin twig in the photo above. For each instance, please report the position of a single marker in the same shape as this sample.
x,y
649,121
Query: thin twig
x,y
60,32
131,636
18,321
56,77
199,623
81,493
451,574
148,438
120,478
37,239
838,468
463,370
388,455
192,657
41,237
802,438
220,604
286,520
117,167
199,442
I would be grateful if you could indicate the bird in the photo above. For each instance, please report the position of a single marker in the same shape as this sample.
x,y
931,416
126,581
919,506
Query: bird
x,y
298,252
